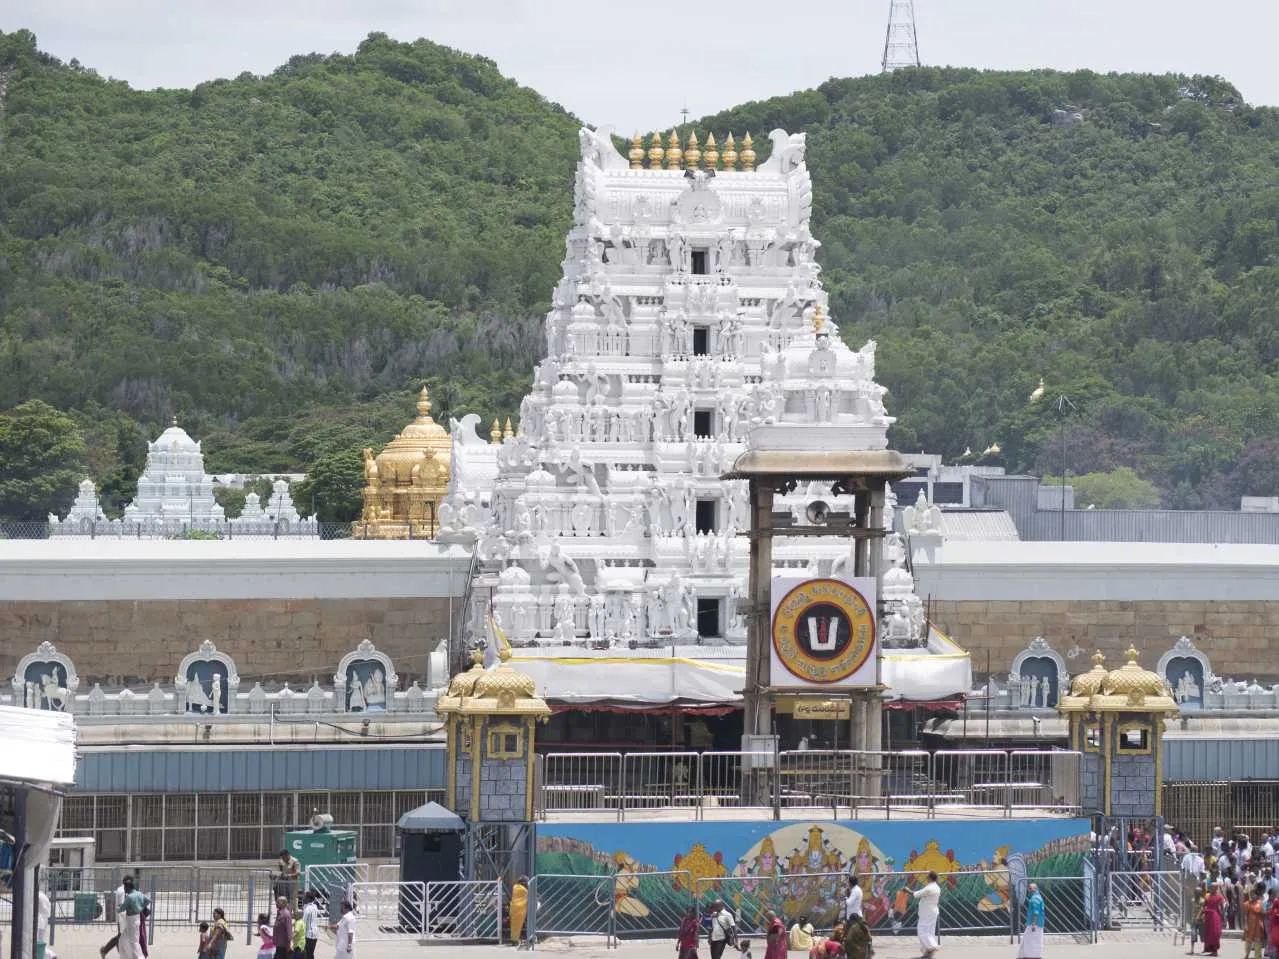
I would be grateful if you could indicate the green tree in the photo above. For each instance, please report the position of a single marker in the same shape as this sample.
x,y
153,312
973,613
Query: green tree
x,y
41,462
1120,488
332,488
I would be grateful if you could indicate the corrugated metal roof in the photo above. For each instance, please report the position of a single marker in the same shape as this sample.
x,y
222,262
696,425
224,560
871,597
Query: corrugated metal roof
x,y
1152,526
981,525
1083,553
1213,760
249,769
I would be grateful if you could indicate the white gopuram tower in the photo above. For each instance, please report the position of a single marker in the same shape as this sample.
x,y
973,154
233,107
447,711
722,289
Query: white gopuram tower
x,y
685,318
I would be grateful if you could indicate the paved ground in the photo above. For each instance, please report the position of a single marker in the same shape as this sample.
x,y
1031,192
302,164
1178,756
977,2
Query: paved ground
x,y
79,943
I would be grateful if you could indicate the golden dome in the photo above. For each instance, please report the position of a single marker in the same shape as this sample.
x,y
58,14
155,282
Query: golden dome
x,y
463,684
1131,680
1089,683
495,682
420,441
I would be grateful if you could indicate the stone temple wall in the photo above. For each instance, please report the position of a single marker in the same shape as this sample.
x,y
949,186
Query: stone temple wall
x,y
503,789
1237,634
1132,786
134,642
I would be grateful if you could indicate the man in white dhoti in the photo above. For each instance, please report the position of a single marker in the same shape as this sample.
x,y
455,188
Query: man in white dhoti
x,y
132,908
1032,937
929,899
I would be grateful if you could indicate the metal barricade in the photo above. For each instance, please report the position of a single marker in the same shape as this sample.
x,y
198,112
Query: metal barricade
x,y
332,884
745,897
1143,900
1045,779
658,781
464,910
570,905
1070,905
581,782
732,780
814,778
968,780
649,904
389,910
884,781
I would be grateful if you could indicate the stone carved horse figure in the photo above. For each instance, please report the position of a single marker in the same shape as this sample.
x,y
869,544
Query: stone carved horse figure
x,y
54,695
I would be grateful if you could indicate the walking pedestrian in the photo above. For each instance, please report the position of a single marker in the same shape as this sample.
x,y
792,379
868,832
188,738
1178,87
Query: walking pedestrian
x,y
282,931
857,939
1213,919
853,904
311,922
929,899
774,936
722,928
266,938
202,951
114,941
219,935
1032,937
1254,925
690,933
345,947
133,909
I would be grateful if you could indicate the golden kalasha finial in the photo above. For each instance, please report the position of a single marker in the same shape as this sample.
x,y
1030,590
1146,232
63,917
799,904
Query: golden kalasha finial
x,y
748,154
711,156
655,153
730,153
673,153
818,319
693,155
495,434
637,152
424,402
507,432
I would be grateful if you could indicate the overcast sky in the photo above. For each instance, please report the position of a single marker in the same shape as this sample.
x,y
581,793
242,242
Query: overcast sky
x,y
633,65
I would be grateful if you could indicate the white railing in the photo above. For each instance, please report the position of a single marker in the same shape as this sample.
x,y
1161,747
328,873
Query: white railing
x,y
991,783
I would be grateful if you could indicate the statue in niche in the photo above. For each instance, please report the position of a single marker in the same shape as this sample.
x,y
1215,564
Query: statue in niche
x,y
724,250
596,618
1187,689
197,699
677,251
356,701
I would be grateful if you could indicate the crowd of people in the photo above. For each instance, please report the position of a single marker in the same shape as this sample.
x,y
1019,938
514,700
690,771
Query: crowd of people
x,y
282,936
851,937
1234,886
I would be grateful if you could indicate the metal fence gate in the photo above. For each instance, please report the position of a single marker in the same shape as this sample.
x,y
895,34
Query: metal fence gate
x,y
1144,900
388,910
466,910
332,883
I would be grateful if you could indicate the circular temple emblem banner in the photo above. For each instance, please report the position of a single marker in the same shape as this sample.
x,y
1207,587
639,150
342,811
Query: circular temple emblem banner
x,y
823,632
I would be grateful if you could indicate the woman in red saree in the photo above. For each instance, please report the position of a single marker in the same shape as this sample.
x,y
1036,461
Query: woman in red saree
x,y
690,931
1214,911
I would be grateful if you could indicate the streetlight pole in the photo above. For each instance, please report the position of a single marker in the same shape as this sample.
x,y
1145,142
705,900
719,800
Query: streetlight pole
x,y
1063,402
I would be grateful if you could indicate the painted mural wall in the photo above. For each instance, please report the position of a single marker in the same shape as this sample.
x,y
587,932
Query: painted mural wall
x,y
797,868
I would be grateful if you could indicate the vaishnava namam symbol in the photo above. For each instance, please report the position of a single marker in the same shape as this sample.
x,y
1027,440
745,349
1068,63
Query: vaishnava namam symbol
x,y
823,631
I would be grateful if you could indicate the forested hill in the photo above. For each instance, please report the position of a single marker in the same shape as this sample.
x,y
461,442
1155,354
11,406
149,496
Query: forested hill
x,y
279,260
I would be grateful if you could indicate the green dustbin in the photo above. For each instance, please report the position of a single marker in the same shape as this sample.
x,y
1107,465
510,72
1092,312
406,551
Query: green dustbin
x,y
86,907
39,950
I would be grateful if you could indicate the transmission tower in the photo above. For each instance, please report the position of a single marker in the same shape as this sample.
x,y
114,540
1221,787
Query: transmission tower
x,y
901,42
